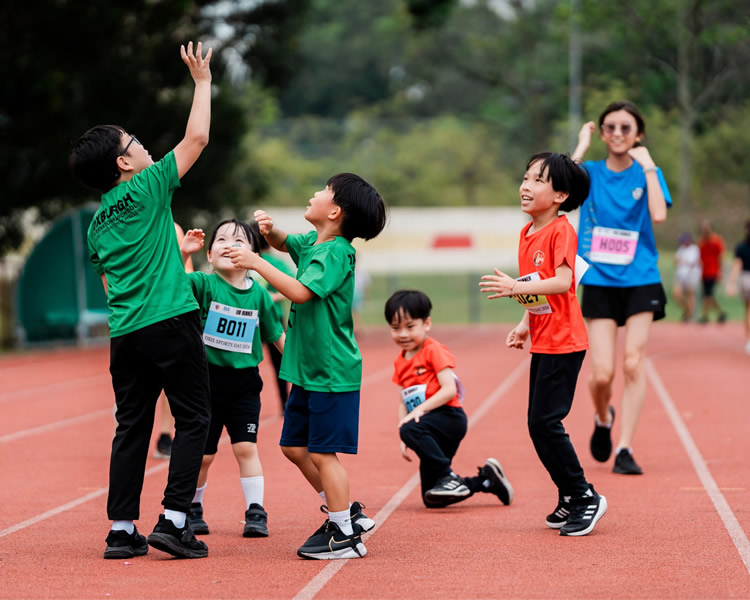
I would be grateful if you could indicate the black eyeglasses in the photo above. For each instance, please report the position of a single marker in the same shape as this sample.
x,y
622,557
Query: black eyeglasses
x,y
132,139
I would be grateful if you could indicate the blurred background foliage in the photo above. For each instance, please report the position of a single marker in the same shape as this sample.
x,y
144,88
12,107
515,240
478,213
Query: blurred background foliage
x,y
437,102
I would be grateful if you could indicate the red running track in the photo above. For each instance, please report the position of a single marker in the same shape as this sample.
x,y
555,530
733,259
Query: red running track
x,y
678,531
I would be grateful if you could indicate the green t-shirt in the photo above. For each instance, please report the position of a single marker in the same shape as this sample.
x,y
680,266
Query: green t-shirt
x,y
132,241
234,321
321,354
282,266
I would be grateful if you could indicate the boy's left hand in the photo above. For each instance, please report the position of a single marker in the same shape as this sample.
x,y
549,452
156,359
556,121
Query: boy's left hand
x,y
243,258
405,452
499,284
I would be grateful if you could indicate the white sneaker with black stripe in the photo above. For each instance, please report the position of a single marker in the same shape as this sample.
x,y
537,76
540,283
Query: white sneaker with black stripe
x,y
584,514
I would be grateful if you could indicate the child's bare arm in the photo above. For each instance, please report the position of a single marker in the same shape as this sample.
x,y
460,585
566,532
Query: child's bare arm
x,y
291,288
503,286
275,236
199,121
280,343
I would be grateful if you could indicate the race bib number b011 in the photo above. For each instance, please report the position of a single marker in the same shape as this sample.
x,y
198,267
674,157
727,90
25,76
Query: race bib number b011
x,y
613,246
230,328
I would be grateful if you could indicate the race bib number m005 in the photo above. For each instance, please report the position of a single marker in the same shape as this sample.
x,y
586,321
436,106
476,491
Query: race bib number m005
x,y
230,328
613,246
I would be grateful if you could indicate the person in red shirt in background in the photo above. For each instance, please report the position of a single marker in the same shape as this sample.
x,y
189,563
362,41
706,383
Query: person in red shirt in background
x,y
712,247
553,319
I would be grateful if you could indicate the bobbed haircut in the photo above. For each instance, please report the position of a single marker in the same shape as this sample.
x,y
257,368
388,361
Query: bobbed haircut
x,y
412,303
364,211
238,225
93,159
259,237
566,176
628,107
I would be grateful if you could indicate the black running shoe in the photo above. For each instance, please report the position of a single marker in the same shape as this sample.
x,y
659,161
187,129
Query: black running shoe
x,y
195,518
558,517
601,440
163,446
356,514
121,544
625,464
177,542
449,487
256,522
329,543
585,512
495,481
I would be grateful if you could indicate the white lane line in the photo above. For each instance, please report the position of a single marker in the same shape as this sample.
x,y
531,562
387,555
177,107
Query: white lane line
x,y
101,491
11,437
739,538
318,582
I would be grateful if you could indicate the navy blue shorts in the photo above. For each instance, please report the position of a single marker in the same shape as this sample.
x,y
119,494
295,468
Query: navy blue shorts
x,y
324,422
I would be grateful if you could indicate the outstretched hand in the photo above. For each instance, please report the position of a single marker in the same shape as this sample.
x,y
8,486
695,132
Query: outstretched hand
x,y
193,241
264,221
499,284
198,64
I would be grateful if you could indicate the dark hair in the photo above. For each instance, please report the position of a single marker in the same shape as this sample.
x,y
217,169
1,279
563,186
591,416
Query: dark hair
x,y
259,237
364,211
414,303
627,107
237,225
747,231
93,159
566,176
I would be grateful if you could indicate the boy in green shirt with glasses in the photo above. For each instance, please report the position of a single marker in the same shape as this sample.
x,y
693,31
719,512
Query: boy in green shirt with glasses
x,y
154,323
321,358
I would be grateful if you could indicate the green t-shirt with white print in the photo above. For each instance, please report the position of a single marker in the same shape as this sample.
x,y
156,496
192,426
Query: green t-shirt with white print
x,y
320,353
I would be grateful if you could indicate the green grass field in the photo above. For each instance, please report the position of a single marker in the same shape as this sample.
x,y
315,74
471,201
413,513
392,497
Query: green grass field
x,y
456,298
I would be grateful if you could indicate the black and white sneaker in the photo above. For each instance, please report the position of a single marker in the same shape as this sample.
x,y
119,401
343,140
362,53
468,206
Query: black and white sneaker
x,y
558,517
177,542
450,487
585,512
601,439
495,481
356,514
625,463
256,522
121,544
195,518
330,543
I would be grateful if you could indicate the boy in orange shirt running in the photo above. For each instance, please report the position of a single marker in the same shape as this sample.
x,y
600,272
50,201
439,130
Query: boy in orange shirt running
x,y
553,320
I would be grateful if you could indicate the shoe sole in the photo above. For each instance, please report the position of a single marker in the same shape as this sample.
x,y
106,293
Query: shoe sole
x,y
497,469
255,533
124,551
626,472
161,455
458,494
555,525
198,529
170,545
599,514
344,553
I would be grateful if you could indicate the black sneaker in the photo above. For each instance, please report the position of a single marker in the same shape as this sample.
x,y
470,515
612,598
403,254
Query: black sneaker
x,y
121,544
177,542
195,518
585,512
163,446
356,514
601,440
497,483
329,543
558,517
625,464
449,487
256,522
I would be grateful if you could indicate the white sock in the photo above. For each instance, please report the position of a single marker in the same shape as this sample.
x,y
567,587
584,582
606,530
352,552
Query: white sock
x,y
617,450
323,495
177,517
343,520
199,494
608,424
123,525
252,488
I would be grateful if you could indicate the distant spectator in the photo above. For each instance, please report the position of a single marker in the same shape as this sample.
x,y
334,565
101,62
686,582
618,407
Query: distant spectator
x,y
739,277
712,247
687,275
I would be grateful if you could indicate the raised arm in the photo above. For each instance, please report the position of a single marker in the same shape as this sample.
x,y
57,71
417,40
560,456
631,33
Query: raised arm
x,y
584,140
199,121
274,236
657,204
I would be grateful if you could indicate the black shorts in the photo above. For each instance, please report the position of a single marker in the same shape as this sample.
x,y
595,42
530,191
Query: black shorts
x,y
600,302
235,404
708,287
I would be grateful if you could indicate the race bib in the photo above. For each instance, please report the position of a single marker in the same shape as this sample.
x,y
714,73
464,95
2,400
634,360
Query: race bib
x,y
413,396
229,328
613,246
535,304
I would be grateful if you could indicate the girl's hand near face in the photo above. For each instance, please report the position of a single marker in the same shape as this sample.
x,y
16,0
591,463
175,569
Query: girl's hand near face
x,y
640,154
243,257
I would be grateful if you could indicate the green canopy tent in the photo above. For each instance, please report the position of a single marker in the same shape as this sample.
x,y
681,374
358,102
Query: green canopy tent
x,y
59,295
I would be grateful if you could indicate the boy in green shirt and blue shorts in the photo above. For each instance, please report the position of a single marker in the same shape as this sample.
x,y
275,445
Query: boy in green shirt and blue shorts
x,y
321,358
154,321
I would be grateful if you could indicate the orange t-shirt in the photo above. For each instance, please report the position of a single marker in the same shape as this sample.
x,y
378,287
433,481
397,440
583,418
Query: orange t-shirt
x,y
423,367
562,329
711,250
